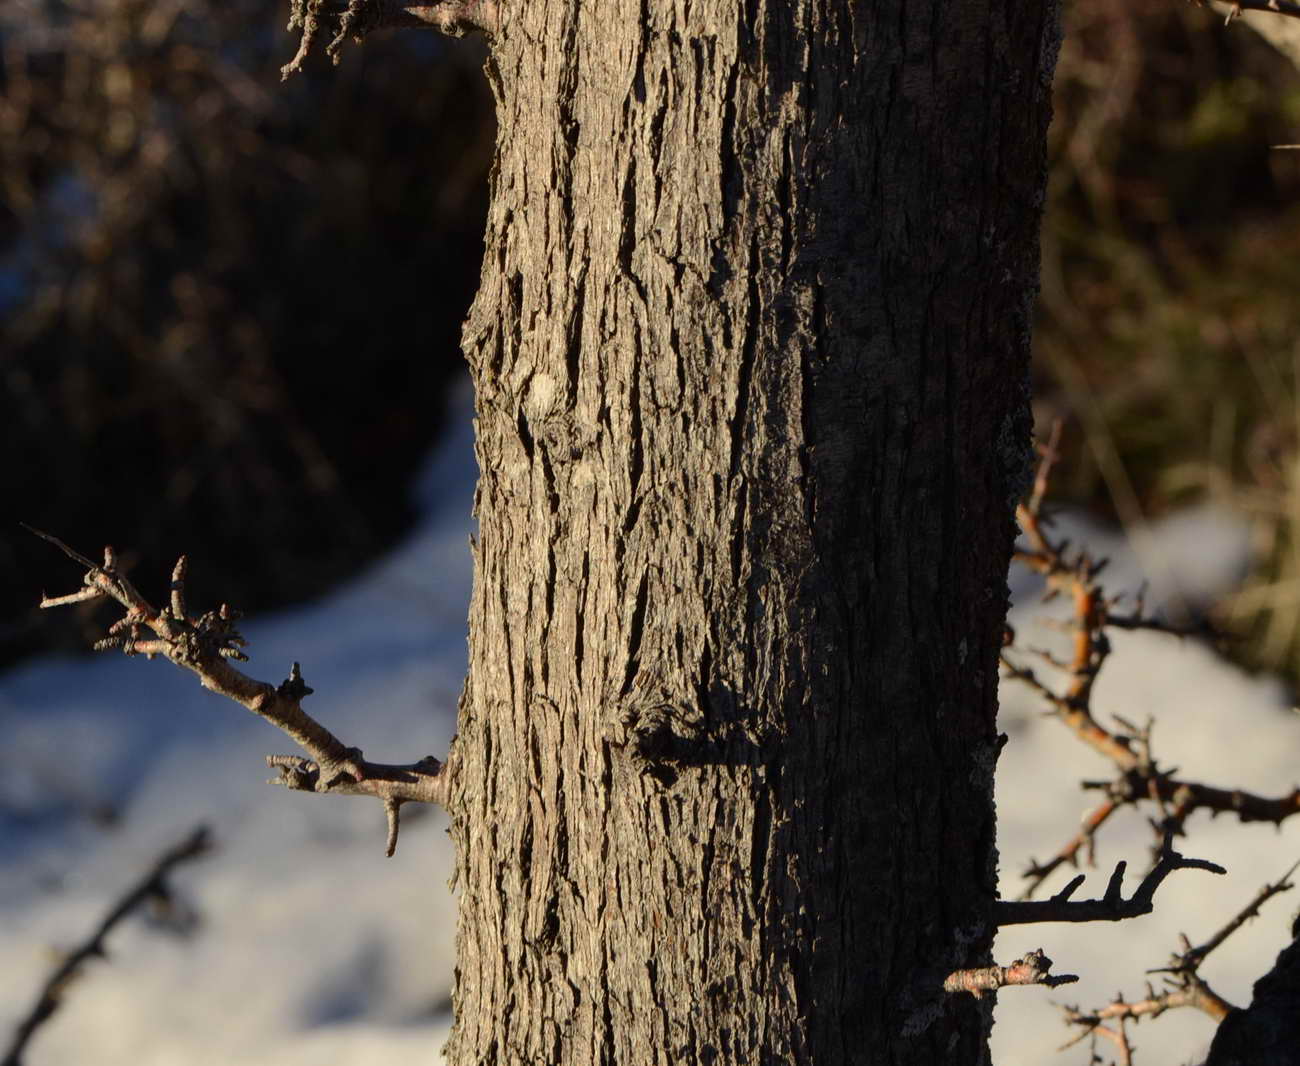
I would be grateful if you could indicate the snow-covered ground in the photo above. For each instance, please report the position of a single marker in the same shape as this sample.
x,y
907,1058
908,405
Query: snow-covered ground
x,y
314,948
1216,724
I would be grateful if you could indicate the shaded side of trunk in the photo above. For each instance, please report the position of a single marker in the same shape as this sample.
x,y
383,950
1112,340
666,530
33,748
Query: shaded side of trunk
x,y
750,355
1268,1031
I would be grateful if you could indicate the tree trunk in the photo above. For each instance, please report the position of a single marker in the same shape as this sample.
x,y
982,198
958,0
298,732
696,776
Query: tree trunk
x,y
750,354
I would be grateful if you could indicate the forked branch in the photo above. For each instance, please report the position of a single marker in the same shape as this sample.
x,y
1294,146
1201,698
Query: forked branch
x,y
1112,907
205,645
1184,986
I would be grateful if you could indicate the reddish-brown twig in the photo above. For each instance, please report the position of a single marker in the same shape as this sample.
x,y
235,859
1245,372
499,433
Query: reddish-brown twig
x,y
358,18
1275,7
1184,985
1075,574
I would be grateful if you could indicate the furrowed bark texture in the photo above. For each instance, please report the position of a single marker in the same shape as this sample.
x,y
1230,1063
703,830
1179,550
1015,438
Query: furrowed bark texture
x,y
750,354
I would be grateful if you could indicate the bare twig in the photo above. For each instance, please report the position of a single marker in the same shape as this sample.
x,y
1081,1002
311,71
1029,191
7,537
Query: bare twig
x,y
1276,7
1184,985
359,18
206,645
1112,907
1195,993
1140,778
1037,872
1033,969
1117,1036
151,886
1190,958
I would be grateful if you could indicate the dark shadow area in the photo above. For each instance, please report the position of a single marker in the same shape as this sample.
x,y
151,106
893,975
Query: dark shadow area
x,y
228,306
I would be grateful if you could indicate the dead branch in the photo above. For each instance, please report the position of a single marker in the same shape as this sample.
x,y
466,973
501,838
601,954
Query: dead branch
x,y
1184,985
1276,7
1037,873
359,18
1195,994
1032,969
1075,574
1117,1036
151,886
1190,958
206,645
1112,907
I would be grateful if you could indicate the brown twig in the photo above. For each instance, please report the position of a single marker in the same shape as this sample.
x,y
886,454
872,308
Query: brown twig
x,y
1185,986
206,645
1196,993
1032,969
1117,1036
1190,958
1276,7
1140,778
359,18
1037,873
151,886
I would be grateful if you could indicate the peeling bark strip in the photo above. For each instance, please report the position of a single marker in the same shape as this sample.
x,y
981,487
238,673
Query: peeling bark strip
x,y
750,354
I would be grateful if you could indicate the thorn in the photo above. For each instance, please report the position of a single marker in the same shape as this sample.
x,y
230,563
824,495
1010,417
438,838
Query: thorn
x,y
1070,888
391,809
178,589
61,546
1113,889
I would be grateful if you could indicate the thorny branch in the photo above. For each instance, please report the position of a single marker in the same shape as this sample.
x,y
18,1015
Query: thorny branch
x,y
206,645
1112,907
1184,986
1276,7
359,18
152,886
1140,779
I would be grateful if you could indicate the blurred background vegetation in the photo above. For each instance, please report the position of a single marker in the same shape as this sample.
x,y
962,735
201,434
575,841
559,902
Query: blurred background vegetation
x,y
1169,330
228,305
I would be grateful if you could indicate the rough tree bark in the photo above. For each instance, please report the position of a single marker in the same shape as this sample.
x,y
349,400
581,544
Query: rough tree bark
x,y
750,354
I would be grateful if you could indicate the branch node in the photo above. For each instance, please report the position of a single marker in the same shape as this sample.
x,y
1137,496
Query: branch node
x,y
294,687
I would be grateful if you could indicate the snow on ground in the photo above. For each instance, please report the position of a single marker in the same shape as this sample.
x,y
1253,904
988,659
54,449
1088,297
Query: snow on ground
x,y
314,948
1216,724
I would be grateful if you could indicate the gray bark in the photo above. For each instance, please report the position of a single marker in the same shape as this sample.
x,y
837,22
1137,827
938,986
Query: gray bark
x,y
750,354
